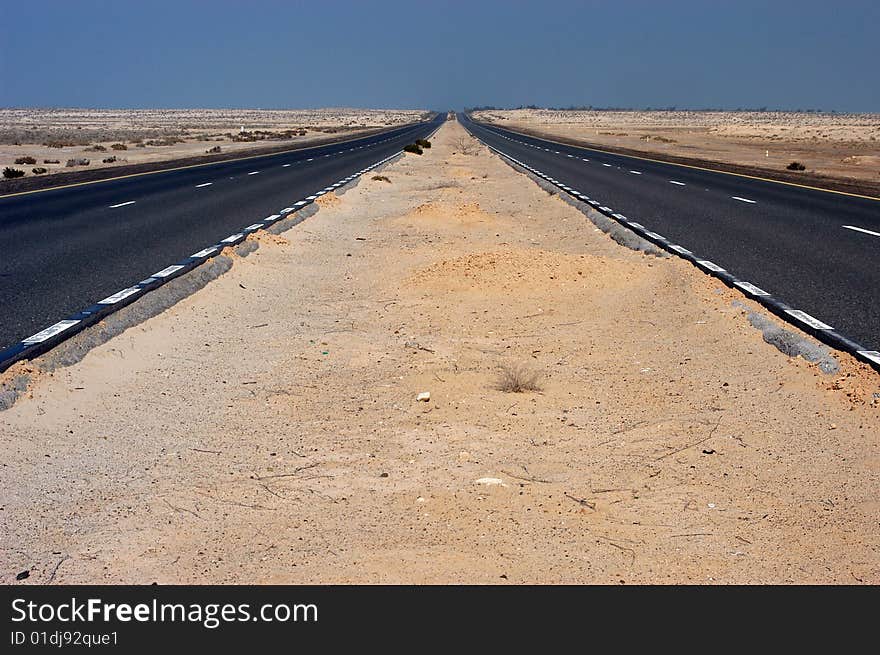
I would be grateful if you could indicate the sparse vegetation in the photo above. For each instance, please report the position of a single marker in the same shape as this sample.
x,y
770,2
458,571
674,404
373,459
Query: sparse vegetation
x,y
424,143
109,160
380,178
213,150
58,144
25,160
796,166
119,146
10,173
517,378
51,161
467,145
413,148
96,148
77,161
39,170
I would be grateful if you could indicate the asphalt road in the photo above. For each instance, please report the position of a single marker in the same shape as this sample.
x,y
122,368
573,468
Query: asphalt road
x,y
790,241
63,249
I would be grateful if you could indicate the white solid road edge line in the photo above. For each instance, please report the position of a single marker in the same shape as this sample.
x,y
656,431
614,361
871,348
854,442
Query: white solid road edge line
x,y
861,229
873,355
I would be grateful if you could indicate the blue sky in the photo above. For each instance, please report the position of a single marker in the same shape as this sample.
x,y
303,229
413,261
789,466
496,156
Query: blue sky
x,y
708,53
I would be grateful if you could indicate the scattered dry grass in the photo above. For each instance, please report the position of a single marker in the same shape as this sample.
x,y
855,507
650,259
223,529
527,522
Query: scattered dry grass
x,y
381,178
517,378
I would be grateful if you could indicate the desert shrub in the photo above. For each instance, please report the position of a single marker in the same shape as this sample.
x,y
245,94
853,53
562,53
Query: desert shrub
x,y
96,148
51,161
9,173
119,146
78,161
516,378
424,143
381,178
413,148
58,144
109,160
140,145
25,160
213,150
39,170
796,166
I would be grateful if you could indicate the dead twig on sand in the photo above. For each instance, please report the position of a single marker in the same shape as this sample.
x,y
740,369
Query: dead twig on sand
x,y
287,475
57,566
530,478
691,445
581,501
181,509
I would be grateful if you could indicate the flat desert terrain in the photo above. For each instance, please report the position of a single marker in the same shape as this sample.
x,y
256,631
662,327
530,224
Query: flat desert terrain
x,y
149,135
834,145
268,428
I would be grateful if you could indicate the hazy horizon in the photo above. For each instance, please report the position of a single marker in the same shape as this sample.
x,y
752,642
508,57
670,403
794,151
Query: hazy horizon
x,y
292,55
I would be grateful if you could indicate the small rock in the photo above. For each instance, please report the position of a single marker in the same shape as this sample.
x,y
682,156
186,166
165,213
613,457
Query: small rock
x,y
383,475
708,451
23,575
424,397
491,481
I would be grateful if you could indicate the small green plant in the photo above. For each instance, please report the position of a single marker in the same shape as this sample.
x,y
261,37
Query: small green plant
x,y
424,143
39,170
25,160
796,166
413,148
10,173
380,178
119,146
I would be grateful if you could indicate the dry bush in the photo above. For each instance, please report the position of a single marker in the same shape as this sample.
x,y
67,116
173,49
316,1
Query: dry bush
x,y
516,378
25,160
380,178
467,145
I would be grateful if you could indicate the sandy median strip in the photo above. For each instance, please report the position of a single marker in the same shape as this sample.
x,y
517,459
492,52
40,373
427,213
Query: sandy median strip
x,y
267,429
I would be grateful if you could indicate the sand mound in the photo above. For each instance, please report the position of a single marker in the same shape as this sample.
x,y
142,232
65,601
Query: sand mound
x,y
439,214
523,269
328,200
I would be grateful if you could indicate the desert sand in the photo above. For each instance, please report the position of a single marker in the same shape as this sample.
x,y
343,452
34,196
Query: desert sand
x,y
267,429
835,145
148,135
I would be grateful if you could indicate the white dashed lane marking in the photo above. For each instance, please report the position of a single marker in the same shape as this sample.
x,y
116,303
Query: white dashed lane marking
x,y
284,165
678,183
122,204
254,173
744,200
608,165
199,186
861,229
635,172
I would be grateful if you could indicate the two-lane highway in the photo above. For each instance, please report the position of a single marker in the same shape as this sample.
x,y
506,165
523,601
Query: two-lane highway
x,y
817,251
63,249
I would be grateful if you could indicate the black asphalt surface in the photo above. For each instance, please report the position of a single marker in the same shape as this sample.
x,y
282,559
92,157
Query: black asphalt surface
x,y
63,249
790,241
